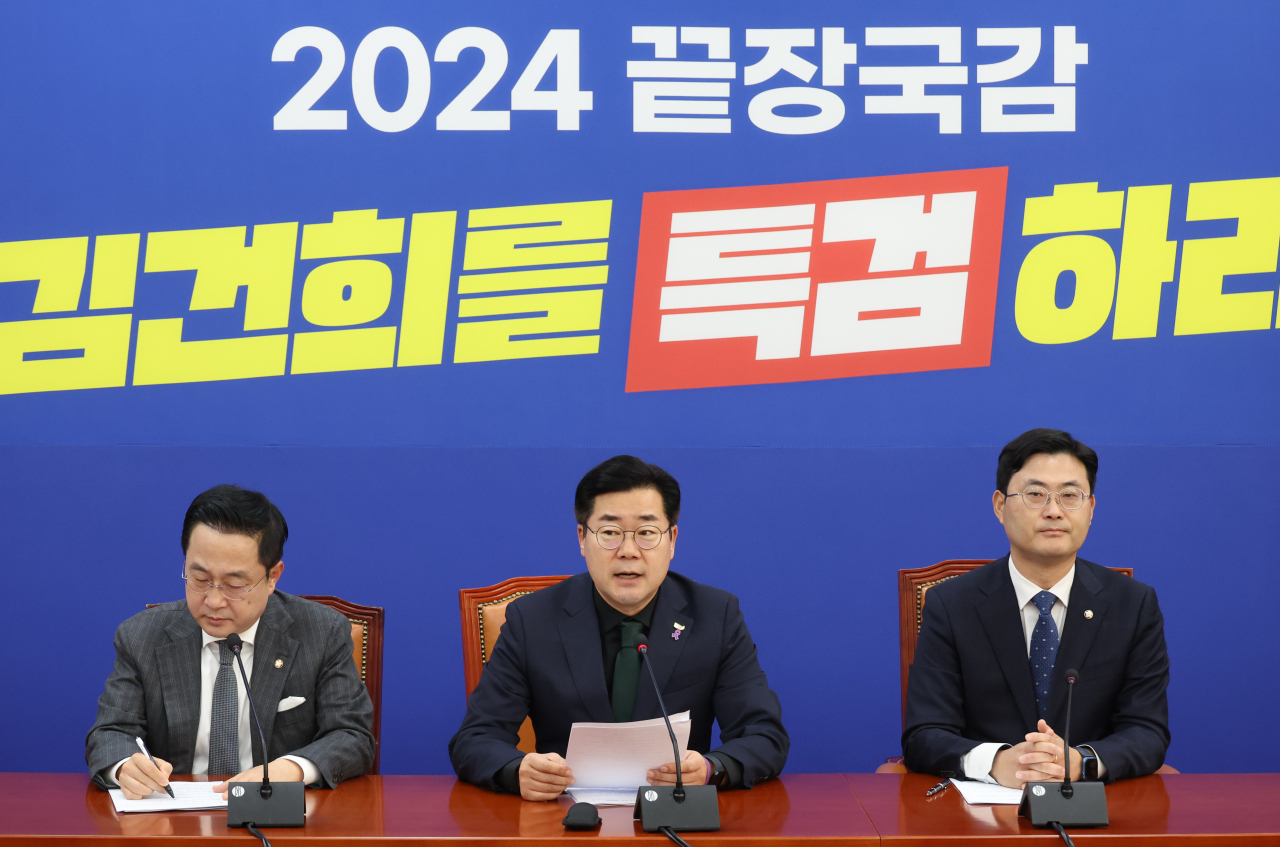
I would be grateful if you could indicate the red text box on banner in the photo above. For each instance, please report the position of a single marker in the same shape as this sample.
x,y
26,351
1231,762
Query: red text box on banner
x,y
816,280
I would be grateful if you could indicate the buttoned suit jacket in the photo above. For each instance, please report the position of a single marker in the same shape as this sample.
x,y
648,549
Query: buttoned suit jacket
x,y
154,690
971,680
548,665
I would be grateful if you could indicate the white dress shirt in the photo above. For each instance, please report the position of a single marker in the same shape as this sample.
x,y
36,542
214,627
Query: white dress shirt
x,y
977,763
210,663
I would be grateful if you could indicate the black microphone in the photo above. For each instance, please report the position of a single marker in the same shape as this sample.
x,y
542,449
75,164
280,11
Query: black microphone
x,y
235,643
279,805
1061,804
678,794
1071,676
679,809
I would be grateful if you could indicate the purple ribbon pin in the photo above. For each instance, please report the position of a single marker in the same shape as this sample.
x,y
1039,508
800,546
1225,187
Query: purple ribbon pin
x,y
675,635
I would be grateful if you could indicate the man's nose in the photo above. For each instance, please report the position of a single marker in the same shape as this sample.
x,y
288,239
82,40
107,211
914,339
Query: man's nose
x,y
215,599
1053,508
629,548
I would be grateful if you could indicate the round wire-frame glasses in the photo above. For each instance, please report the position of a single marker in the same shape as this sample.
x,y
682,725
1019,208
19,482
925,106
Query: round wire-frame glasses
x,y
610,537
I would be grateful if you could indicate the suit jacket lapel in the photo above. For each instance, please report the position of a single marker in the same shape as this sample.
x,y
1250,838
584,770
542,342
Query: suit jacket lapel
x,y
271,642
1078,633
580,637
179,665
1003,623
664,651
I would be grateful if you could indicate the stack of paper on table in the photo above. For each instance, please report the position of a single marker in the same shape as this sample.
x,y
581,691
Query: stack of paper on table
x,y
611,760
187,795
980,793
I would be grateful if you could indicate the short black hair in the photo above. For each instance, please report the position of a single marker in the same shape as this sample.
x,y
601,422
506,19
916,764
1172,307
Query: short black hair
x,y
235,510
625,473
1036,441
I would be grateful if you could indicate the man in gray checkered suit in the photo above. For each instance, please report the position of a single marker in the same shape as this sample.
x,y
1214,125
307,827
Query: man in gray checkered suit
x,y
175,684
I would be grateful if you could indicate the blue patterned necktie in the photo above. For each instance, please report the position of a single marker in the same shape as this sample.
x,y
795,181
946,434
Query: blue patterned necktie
x,y
224,723
1044,649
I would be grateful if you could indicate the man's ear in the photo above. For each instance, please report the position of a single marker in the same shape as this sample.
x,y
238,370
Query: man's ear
x,y
273,575
582,541
998,499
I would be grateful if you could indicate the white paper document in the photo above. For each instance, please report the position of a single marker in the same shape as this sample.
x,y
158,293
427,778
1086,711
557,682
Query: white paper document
x,y
617,757
604,796
186,795
984,793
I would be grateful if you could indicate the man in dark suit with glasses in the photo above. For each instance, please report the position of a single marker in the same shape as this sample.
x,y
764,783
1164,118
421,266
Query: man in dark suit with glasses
x,y
986,698
567,653
176,686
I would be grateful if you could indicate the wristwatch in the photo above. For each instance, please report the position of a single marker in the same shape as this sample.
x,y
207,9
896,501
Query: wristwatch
x,y
1088,765
719,775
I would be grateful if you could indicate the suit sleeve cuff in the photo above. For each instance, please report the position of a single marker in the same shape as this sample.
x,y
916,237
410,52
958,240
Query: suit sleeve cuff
x,y
109,774
310,773
508,779
732,769
977,763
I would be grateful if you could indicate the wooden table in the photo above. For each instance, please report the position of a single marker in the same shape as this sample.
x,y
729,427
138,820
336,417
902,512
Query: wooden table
x,y
793,811
1188,810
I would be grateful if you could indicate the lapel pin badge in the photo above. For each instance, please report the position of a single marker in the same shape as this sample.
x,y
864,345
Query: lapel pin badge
x,y
675,633
279,663
1088,614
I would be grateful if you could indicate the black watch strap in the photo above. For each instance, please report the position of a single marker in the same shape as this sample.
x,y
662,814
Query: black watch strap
x,y
718,774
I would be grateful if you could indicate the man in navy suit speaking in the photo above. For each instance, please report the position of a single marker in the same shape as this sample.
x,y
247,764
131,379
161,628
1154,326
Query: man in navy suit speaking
x,y
567,653
986,698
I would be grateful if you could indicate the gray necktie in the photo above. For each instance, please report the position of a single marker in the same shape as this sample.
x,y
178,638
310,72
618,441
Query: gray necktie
x,y
224,724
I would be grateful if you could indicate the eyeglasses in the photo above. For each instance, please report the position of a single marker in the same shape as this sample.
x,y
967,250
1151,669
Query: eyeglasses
x,y
230,590
611,537
1035,497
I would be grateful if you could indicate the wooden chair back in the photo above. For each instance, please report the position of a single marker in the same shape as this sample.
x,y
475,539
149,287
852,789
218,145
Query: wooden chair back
x,y
366,650
367,625
484,611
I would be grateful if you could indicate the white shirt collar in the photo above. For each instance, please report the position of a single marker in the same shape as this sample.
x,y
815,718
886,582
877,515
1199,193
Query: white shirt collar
x,y
1025,589
247,636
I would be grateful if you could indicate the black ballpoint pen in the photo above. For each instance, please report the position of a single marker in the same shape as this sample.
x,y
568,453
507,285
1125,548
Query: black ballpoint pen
x,y
939,787
147,753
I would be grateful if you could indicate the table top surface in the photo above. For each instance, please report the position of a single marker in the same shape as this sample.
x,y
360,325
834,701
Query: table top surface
x,y
1194,807
855,809
793,807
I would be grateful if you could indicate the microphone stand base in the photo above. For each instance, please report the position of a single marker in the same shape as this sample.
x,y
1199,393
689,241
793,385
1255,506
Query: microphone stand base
x,y
1044,804
656,808
287,805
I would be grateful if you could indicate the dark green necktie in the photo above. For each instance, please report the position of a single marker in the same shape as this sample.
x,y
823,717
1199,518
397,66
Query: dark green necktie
x,y
626,671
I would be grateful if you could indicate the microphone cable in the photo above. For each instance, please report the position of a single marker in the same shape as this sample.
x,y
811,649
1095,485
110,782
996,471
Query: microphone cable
x,y
1065,838
671,833
253,830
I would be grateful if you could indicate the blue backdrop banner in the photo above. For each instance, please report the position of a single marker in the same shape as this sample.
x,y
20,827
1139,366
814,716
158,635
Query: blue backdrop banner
x,y
412,268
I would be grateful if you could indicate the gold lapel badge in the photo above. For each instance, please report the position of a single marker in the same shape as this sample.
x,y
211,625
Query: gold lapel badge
x,y
1088,614
280,662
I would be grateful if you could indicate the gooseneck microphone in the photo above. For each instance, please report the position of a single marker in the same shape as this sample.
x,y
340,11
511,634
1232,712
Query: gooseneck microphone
x,y
271,805
679,809
678,793
236,643
1067,791
1061,804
